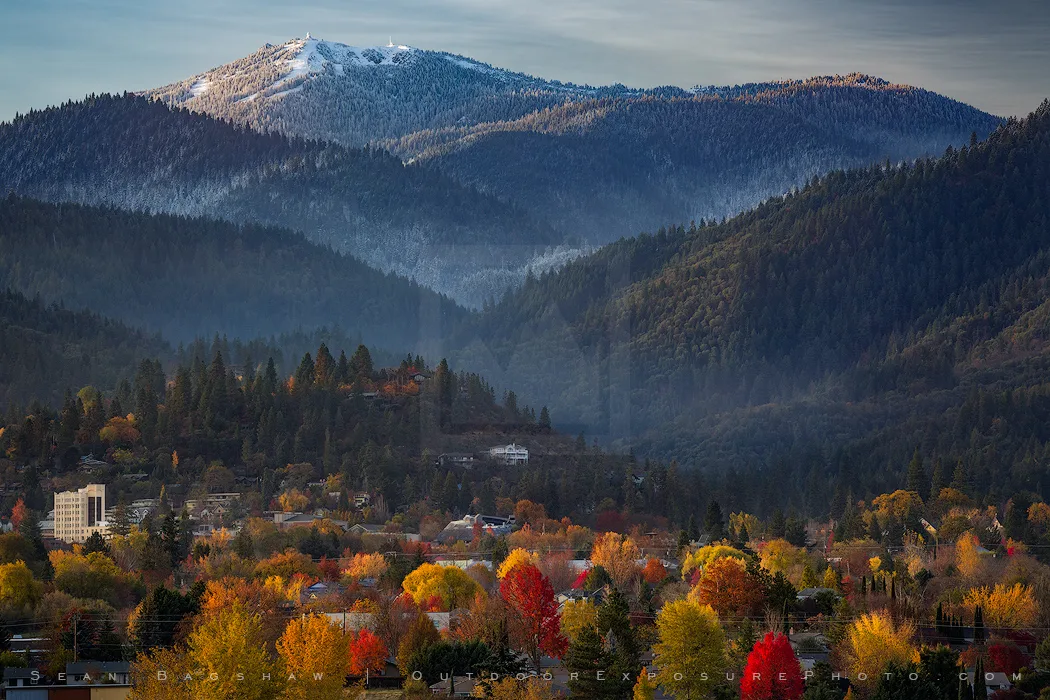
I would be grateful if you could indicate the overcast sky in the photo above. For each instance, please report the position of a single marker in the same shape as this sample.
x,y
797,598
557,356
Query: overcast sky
x,y
995,55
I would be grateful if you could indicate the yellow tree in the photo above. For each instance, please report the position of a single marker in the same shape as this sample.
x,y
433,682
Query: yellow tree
x,y
575,615
451,586
872,642
18,590
690,652
164,674
363,566
967,555
517,557
1004,606
617,554
706,555
316,655
644,689
230,652
780,556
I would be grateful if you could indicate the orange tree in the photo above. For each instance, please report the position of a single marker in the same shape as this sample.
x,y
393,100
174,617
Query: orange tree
x,y
729,588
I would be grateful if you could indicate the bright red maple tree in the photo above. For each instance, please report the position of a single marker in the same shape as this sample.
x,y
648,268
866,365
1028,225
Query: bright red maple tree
x,y
537,625
772,671
367,653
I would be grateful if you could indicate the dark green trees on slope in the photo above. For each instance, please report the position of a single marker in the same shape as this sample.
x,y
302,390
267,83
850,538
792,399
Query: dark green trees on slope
x,y
916,284
195,277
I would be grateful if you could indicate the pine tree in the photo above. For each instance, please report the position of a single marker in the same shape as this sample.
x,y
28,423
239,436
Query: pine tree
x,y
980,687
714,521
614,623
169,535
121,523
978,626
917,479
586,658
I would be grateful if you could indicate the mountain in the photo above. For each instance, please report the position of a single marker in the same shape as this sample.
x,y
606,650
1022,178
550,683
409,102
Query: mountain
x,y
599,162
190,277
357,95
611,167
874,310
137,154
48,349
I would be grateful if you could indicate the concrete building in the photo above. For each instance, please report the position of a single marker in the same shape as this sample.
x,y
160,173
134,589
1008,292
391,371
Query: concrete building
x,y
79,514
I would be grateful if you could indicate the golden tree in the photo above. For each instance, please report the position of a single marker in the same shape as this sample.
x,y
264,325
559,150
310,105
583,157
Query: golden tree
x,y
517,557
230,652
872,642
1004,606
363,566
690,652
315,653
697,560
617,554
164,674
451,586
968,556
18,590
780,556
575,615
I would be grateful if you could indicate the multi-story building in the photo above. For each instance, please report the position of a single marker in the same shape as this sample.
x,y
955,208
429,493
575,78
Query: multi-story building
x,y
510,454
80,513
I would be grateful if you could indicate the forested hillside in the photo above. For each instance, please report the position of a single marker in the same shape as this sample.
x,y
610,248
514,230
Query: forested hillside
x,y
875,310
614,166
45,350
196,277
136,154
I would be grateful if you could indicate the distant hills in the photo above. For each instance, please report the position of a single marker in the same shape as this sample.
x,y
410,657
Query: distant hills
x,y
595,162
880,299
189,277
135,154
46,349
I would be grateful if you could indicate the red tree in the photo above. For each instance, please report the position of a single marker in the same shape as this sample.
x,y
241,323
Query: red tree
x,y
772,671
367,653
538,626
1006,658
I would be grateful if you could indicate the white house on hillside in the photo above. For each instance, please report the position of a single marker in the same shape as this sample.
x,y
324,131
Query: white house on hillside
x,y
510,454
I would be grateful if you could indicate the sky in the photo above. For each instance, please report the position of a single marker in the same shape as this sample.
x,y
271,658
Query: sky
x,y
994,55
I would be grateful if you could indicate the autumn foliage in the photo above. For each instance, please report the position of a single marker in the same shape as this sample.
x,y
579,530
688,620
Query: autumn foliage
x,y
654,572
618,555
772,671
367,653
530,597
729,589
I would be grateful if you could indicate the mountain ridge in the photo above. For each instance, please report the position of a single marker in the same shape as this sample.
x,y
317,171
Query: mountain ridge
x,y
600,162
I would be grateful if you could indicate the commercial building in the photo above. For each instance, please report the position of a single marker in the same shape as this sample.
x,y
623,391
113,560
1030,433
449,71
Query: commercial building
x,y
79,514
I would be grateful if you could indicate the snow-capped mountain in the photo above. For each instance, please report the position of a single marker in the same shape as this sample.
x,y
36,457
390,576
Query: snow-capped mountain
x,y
354,95
601,162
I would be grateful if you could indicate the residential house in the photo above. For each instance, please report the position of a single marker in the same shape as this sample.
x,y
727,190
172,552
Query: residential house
x,y
510,454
